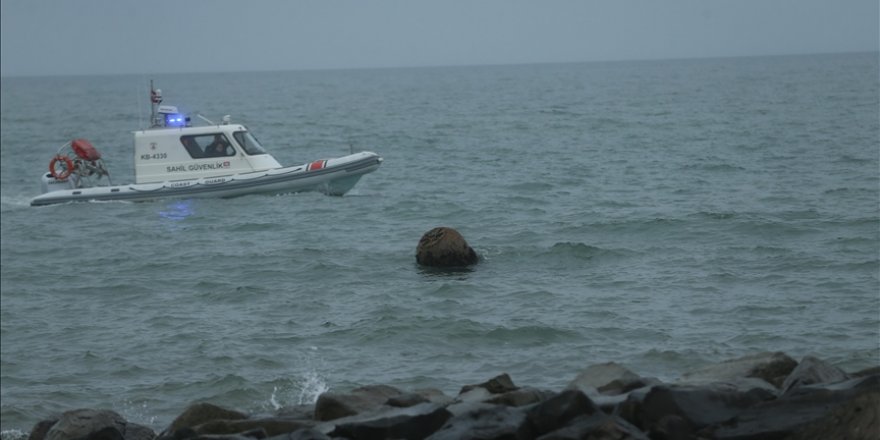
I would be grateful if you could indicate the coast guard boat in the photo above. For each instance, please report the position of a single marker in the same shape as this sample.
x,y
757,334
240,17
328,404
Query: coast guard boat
x,y
174,159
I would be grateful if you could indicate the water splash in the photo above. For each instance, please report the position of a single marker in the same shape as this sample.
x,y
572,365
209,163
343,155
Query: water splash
x,y
312,386
303,391
13,434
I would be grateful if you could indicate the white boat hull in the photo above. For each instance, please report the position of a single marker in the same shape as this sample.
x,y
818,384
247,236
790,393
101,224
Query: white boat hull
x,y
336,177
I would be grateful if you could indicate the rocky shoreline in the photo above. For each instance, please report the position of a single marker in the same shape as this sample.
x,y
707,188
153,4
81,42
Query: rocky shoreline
x,y
761,396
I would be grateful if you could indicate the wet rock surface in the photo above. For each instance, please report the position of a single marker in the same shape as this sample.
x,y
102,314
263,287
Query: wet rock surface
x,y
744,398
444,247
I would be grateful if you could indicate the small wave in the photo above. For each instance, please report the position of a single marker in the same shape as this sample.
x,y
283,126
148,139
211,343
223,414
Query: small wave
x,y
849,190
531,335
19,200
255,227
581,251
531,187
717,215
714,167
847,159
560,111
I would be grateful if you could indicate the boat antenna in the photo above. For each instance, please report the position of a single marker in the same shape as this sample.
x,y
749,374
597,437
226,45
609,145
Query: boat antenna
x,y
140,107
155,100
206,119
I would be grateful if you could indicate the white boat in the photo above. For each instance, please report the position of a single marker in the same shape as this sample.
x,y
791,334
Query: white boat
x,y
174,159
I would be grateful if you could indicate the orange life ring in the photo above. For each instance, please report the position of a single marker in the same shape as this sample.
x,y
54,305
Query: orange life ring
x,y
61,175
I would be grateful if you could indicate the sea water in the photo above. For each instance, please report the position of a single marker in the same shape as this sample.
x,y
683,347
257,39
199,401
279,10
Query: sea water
x,y
660,214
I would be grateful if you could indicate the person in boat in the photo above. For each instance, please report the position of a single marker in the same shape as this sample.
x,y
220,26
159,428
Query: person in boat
x,y
218,148
192,147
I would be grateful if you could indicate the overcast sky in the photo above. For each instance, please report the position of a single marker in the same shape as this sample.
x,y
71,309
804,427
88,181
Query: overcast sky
x,y
64,37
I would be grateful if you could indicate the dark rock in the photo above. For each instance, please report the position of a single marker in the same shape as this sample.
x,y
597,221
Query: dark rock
x,y
485,423
222,437
416,397
38,432
406,400
672,427
871,371
444,247
601,375
473,396
81,423
631,408
105,433
795,411
332,406
269,427
134,431
520,397
623,386
180,434
201,413
698,406
775,369
772,367
558,410
434,396
812,371
597,426
302,434
415,422
299,412
499,390
616,403
496,385
857,419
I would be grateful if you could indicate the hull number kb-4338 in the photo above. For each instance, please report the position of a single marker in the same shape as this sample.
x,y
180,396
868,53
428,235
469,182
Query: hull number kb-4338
x,y
154,156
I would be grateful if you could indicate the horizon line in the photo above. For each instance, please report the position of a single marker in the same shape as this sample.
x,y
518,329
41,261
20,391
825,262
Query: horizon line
x,y
434,66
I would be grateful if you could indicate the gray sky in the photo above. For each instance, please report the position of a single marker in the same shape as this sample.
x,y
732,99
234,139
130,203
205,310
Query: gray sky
x,y
65,37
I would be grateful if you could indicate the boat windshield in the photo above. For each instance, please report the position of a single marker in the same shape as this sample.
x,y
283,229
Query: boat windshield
x,y
250,144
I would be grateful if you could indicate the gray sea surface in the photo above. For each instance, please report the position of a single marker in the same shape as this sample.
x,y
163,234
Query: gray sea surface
x,y
660,214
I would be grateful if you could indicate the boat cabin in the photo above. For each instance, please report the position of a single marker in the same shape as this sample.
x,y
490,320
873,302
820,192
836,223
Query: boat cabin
x,y
175,150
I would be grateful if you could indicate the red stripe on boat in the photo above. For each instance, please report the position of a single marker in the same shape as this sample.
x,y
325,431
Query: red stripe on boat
x,y
317,165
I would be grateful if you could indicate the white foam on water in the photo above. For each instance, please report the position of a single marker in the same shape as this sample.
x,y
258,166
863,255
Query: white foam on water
x,y
13,434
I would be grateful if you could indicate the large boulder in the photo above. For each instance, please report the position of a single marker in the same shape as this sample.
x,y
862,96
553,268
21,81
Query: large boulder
x,y
38,432
414,422
418,396
499,384
500,390
608,377
811,371
696,406
331,406
557,411
772,367
484,421
271,426
444,247
598,426
81,423
823,408
94,424
302,434
201,413
857,419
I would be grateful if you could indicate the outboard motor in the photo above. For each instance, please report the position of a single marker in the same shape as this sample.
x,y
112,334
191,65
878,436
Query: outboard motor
x,y
50,183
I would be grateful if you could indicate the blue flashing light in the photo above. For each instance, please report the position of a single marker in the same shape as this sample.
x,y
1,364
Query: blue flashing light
x,y
175,120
